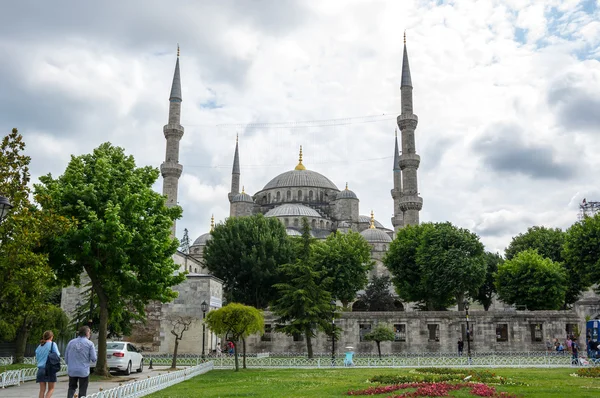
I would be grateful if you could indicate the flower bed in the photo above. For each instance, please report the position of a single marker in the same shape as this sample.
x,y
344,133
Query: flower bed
x,y
588,372
433,390
435,375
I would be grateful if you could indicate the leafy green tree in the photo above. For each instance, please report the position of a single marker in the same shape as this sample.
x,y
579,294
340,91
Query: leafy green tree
x,y
346,259
379,334
377,296
486,292
582,251
246,252
549,243
122,239
27,282
436,264
532,280
236,321
303,303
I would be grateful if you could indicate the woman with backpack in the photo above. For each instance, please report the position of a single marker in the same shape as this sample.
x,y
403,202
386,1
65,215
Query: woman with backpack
x,y
45,375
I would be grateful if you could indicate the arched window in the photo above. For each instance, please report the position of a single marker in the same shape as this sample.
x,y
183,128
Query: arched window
x,y
314,223
269,196
310,196
195,270
321,223
299,195
289,195
327,225
295,222
278,196
321,196
287,222
264,200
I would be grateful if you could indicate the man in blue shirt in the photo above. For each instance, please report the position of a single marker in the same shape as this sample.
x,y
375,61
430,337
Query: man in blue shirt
x,y
78,355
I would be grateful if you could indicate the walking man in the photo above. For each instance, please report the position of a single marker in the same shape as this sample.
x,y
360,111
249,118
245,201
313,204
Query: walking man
x,y
78,355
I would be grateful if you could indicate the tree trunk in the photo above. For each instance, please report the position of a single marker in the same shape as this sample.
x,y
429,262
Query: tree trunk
x,y
379,348
345,303
460,298
21,341
235,354
309,344
174,361
244,353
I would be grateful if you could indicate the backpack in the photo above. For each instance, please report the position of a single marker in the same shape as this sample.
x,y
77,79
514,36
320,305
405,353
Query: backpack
x,y
52,362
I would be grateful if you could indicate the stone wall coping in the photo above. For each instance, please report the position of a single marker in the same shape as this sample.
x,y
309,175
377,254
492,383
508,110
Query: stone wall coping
x,y
203,276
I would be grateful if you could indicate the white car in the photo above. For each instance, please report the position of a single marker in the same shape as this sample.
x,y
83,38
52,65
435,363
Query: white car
x,y
123,356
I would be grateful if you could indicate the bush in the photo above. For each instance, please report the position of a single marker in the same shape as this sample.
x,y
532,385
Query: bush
x,y
588,372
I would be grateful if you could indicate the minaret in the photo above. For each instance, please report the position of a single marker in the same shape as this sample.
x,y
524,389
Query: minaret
x,y
235,173
171,169
397,219
410,201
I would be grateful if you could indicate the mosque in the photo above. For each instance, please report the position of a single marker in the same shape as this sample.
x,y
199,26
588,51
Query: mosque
x,y
301,192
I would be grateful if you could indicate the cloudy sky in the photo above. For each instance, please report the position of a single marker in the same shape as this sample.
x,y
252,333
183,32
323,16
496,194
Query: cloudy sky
x,y
507,94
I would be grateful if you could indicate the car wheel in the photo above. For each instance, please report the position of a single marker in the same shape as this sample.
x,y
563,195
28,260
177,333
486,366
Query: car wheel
x,y
141,368
128,370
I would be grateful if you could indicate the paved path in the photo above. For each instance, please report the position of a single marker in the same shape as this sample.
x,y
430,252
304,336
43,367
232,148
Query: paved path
x,y
31,389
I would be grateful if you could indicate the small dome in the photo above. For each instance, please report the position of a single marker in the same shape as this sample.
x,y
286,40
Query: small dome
x,y
292,209
346,194
367,219
374,235
293,232
242,197
344,224
202,239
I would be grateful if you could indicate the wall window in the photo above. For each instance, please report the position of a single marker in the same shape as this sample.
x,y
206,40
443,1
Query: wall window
x,y
298,337
289,195
299,195
363,329
268,333
313,224
310,196
321,196
295,222
278,196
400,332
321,224
269,197
502,332
434,332
287,222
536,332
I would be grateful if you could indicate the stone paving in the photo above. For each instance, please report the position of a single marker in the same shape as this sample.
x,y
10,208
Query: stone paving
x,y
31,389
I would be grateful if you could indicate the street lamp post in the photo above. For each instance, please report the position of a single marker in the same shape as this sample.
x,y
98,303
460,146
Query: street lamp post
x,y
204,308
333,306
5,206
466,305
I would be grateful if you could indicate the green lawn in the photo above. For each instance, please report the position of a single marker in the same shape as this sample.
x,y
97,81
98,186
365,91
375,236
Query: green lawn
x,y
4,368
336,382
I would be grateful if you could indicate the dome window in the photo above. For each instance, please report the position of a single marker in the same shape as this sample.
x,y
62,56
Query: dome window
x,y
278,196
289,195
310,196
299,195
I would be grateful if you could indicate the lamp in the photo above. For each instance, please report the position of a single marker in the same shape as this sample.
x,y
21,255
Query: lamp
x,y
204,308
5,206
466,305
333,308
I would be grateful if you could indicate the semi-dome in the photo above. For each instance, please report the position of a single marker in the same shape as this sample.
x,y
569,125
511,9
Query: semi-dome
x,y
374,235
202,239
242,197
367,219
292,232
292,209
300,178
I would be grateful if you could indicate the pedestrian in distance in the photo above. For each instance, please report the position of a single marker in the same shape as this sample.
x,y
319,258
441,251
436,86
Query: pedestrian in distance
x,y
47,379
78,355
461,346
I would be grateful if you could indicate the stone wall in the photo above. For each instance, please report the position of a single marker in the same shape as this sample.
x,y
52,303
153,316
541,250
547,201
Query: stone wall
x,y
425,331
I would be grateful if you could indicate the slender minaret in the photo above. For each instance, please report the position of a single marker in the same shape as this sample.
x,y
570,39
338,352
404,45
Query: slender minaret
x,y
171,169
410,201
397,220
235,173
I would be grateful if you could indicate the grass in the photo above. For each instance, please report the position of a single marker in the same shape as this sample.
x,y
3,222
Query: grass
x,y
17,366
306,383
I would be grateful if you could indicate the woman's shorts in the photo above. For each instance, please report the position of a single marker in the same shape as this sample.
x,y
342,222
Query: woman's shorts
x,y
41,376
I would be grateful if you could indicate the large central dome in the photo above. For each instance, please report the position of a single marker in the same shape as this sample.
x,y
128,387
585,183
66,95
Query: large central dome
x,y
300,178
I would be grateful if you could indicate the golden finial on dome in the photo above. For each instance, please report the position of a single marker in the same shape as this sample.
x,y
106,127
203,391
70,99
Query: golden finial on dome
x,y
243,191
372,220
300,165
346,186
212,223
177,50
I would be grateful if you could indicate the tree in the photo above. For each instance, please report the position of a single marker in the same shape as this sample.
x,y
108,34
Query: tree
x,y
377,296
436,264
236,321
531,280
27,282
582,250
303,303
346,259
122,237
246,252
549,243
379,334
486,292
179,325
185,242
